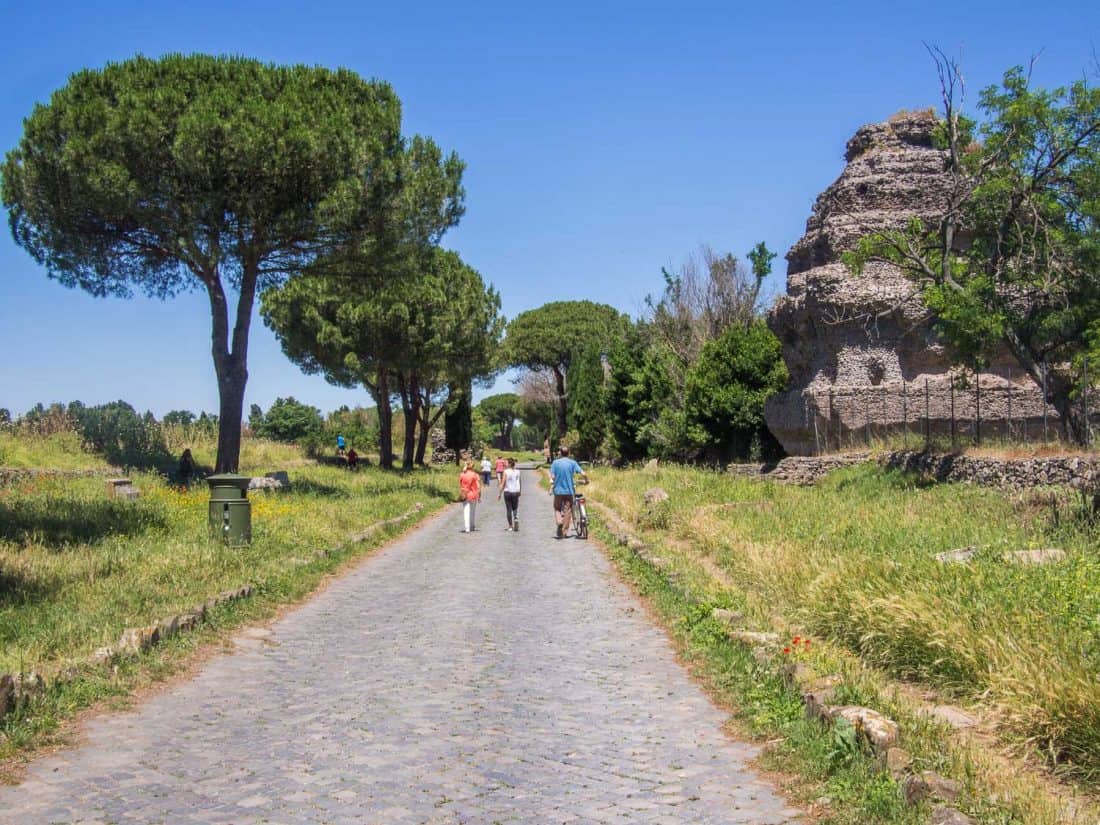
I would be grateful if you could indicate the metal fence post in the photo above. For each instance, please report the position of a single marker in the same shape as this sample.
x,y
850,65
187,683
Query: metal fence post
x,y
951,385
1046,435
977,406
1085,402
904,417
830,426
866,419
927,419
817,438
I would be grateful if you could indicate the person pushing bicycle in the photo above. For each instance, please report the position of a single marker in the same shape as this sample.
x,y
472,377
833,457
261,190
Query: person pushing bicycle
x,y
563,489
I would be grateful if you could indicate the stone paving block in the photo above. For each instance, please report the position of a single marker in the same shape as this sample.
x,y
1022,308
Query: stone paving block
x,y
450,678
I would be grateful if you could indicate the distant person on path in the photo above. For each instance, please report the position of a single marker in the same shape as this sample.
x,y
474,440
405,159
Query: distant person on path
x,y
187,468
499,468
469,486
340,444
486,469
546,450
510,490
353,459
561,486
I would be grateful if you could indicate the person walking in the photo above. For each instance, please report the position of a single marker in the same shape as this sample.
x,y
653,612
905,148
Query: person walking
x,y
187,468
562,488
341,443
510,490
469,487
486,469
499,468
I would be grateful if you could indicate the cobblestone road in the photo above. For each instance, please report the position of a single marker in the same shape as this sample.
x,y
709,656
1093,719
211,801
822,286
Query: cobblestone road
x,y
484,677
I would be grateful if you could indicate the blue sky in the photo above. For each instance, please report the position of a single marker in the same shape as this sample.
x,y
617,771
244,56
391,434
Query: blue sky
x,y
603,141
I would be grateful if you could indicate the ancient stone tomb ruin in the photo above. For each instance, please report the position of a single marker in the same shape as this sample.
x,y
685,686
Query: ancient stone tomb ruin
x,y
863,356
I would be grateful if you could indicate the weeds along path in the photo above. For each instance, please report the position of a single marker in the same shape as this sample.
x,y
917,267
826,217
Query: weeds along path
x,y
453,677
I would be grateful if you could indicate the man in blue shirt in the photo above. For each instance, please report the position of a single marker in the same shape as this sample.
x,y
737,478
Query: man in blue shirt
x,y
561,486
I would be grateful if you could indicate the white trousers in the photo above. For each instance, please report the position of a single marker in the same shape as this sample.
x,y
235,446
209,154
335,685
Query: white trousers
x,y
469,512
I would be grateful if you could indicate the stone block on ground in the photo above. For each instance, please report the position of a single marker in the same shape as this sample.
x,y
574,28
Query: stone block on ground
x,y
265,483
817,701
1047,555
955,717
880,731
797,674
897,761
730,618
763,656
751,638
943,815
116,484
135,640
169,626
655,495
26,686
960,556
652,465
930,785
283,477
103,655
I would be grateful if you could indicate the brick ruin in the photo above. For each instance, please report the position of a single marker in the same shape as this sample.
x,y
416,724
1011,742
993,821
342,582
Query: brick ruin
x,y
864,359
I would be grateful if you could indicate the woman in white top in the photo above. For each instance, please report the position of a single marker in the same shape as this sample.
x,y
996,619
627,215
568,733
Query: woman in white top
x,y
510,491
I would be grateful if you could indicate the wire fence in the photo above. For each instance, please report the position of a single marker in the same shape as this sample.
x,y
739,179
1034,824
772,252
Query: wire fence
x,y
952,411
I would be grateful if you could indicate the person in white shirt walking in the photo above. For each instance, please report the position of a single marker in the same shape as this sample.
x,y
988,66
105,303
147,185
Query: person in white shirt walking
x,y
510,490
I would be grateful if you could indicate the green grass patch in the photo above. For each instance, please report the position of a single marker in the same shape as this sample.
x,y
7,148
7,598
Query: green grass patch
x,y
77,569
852,561
845,772
55,451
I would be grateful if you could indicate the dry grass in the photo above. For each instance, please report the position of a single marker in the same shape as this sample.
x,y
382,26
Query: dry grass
x,y
853,561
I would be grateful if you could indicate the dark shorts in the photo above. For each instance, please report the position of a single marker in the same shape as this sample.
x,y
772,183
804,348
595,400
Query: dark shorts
x,y
562,503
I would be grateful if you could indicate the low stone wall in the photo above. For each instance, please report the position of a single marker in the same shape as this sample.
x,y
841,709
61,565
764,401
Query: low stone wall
x,y
801,470
1005,473
1014,473
16,475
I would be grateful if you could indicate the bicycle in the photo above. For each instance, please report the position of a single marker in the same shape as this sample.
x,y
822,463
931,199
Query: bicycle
x,y
580,516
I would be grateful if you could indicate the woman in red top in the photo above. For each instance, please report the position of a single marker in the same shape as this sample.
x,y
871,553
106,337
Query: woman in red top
x,y
469,485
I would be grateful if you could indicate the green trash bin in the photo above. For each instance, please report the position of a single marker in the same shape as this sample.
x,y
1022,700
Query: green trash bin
x,y
230,509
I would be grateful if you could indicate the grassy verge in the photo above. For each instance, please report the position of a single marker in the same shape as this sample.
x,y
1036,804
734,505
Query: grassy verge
x,y
56,451
77,569
852,562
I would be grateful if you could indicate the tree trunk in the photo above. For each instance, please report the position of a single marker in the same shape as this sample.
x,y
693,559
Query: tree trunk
x,y
1074,426
410,407
1059,389
559,383
230,365
428,422
385,420
232,377
425,429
